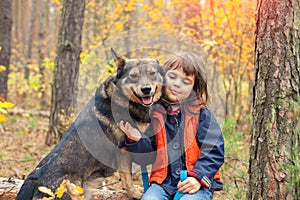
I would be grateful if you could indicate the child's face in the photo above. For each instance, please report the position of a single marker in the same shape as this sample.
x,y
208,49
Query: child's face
x,y
178,85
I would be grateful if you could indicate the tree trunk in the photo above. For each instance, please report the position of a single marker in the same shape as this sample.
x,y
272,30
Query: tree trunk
x,y
274,152
24,29
41,51
16,19
96,19
5,44
30,39
64,88
126,28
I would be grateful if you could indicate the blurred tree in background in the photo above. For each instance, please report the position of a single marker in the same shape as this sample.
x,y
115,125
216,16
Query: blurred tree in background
x,y
5,45
66,69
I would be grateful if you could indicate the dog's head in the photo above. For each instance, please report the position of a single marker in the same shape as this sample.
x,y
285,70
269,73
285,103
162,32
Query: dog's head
x,y
139,79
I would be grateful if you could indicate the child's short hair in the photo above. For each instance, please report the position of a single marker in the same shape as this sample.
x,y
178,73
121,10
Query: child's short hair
x,y
191,64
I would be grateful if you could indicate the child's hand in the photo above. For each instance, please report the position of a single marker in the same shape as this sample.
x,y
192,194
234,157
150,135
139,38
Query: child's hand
x,y
131,133
190,185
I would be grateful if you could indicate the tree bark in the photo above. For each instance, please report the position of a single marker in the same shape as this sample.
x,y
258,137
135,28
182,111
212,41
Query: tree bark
x,y
41,50
5,44
274,151
64,88
16,19
30,38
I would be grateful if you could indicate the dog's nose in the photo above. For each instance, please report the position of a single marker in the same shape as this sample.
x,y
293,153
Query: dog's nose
x,y
146,89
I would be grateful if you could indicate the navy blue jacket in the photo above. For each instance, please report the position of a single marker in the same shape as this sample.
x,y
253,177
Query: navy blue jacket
x,y
210,142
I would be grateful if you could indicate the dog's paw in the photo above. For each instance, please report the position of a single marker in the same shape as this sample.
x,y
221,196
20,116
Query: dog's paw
x,y
135,192
137,195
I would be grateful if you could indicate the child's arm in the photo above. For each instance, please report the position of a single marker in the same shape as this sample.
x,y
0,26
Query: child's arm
x,y
211,144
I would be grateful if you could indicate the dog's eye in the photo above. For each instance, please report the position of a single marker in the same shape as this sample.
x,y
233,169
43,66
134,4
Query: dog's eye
x,y
133,76
152,74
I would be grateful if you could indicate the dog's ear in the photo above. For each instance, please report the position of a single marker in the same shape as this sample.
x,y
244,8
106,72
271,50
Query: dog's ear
x,y
161,69
119,61
114,53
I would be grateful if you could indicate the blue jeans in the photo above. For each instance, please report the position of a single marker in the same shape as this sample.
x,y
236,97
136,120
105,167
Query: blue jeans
x,y
155,192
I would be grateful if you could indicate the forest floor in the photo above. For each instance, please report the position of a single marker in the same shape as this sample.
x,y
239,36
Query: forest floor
x,y
22,144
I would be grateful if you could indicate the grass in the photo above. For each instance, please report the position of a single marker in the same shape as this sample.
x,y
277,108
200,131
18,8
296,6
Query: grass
x,y
234,171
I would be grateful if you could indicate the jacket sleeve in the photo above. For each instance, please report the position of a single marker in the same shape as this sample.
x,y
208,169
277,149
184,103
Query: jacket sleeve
x,y
143,152
211,144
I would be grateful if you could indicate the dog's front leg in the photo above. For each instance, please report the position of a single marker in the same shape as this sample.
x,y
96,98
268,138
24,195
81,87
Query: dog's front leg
x,y
124,166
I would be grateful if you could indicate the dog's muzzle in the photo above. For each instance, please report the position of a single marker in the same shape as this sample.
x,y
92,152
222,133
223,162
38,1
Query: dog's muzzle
x,y
147,98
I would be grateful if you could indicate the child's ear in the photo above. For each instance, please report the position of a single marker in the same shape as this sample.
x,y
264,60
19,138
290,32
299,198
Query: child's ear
x,y
119,61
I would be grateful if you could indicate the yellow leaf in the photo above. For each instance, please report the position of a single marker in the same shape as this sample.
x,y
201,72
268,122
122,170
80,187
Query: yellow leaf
x,y
62,188
2,68
2,118
119,25
146,8
91,4
58,2
60,191
158,4
46,190
6,104
79,190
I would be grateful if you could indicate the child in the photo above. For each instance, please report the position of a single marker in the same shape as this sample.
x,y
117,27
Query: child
x,y
184,135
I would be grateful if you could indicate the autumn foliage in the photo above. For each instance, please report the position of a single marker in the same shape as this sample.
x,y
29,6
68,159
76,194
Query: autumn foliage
x,y
225,29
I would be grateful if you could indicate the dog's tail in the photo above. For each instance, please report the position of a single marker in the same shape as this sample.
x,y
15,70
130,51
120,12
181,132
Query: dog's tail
x,y
27,190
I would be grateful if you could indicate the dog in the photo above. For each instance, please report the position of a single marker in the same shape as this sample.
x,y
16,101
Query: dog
x,y
92,146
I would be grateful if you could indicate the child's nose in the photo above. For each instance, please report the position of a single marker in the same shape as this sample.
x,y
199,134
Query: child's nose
x,y
177,82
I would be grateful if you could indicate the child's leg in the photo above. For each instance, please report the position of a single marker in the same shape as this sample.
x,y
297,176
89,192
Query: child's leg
x,y
203,194
155,192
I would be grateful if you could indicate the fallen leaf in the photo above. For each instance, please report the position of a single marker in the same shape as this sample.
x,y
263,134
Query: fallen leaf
x,y
46,190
